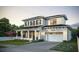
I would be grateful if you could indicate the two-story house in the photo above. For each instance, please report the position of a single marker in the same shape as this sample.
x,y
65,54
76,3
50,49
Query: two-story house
x,y
52,28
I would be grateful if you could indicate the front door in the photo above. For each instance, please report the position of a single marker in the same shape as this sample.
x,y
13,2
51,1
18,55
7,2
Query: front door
x,y
32,35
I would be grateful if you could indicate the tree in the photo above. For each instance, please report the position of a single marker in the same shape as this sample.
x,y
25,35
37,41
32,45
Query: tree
x,y
22,26
5,27
4,20
14,27
74,32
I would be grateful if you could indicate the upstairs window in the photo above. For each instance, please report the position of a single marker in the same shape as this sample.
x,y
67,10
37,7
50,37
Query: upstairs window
x,y
36,22
53,21
30,22
39,21
33,22
25,23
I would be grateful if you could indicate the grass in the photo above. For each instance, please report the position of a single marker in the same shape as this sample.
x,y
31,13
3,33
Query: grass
x,y
67,46
15,42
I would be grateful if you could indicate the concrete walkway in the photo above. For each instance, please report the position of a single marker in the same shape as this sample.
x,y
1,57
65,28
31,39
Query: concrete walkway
x,y
33,47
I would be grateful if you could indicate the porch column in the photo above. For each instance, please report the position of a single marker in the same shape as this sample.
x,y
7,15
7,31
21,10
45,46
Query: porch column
x,y
28,34
21,34
39,35
35,35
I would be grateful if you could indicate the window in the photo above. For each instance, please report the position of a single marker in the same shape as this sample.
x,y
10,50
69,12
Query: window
x,y
39,21
36,22
53,21
33,22
30,22
25,23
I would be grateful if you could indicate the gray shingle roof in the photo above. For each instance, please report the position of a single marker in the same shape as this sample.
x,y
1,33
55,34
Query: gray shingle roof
x,y
33,18
46,18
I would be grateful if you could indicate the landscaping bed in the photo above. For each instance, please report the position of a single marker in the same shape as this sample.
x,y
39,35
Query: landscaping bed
x,y
40,40
15,42
67,46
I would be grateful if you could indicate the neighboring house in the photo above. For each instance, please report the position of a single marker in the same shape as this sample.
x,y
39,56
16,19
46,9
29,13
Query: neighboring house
x,y
52,28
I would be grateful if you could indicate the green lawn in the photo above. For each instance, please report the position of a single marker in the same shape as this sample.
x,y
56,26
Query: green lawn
x,y
67,46
15,42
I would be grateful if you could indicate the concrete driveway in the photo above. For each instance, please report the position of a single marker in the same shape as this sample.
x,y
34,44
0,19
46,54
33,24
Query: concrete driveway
x,y
33,47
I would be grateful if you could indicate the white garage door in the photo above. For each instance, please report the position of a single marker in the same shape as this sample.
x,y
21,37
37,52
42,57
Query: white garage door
x,y
55,37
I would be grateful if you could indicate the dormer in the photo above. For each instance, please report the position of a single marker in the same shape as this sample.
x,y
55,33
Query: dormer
x,y
56,20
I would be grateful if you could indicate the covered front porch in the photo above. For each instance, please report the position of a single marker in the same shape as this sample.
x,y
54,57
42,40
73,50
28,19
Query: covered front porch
x,y
28,34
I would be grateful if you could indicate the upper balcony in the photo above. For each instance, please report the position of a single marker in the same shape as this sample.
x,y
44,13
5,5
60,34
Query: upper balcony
x,y
34,21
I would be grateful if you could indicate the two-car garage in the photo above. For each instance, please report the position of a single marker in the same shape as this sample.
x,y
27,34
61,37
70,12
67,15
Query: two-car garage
x,y
54,36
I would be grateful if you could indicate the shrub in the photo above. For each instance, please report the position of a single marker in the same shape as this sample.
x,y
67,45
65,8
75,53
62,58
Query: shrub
x,y
40,40
2,34
64,41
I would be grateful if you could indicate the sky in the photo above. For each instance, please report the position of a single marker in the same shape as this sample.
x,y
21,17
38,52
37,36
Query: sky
x,y
16,14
